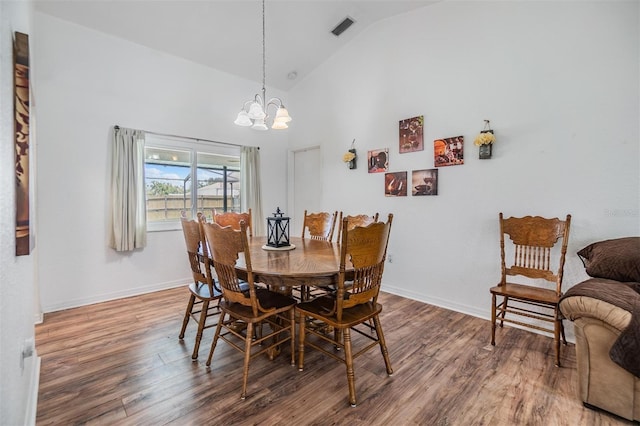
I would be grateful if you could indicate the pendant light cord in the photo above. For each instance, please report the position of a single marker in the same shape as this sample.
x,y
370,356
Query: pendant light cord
x,y
264,55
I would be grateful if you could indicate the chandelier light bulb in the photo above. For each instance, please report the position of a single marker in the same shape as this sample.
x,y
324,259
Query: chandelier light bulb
x,y
258,124
279,125
243,119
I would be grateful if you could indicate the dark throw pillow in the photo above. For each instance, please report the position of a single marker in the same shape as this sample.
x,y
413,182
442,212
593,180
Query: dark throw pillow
x,y
617,259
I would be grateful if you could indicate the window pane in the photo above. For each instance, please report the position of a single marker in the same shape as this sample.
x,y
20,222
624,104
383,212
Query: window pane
x,y
218,183
168,183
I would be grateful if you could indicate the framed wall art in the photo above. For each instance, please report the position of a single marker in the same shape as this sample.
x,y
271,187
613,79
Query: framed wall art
x,y
395,184
378,160
21,93
411,134
448,151
424,182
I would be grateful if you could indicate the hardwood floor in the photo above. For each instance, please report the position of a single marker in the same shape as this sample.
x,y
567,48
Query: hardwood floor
x,y
120,362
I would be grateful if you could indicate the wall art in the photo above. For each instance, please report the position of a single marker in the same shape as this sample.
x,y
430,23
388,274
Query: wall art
x,y
378,160
21,92
411,134
424,182
395,184
448,151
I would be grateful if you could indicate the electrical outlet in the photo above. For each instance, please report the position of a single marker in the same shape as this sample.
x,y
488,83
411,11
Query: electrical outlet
x,y
27,351
390,257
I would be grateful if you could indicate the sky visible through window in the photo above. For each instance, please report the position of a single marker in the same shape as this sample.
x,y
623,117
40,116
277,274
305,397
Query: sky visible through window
x,y
176,175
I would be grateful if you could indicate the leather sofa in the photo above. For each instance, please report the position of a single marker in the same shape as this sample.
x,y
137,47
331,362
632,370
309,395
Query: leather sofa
x,y
605,310
601,382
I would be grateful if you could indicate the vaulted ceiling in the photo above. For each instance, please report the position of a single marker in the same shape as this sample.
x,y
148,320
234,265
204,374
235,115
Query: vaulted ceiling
x,y
227,34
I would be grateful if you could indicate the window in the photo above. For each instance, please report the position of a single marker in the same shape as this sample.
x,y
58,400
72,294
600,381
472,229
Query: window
x,y
170,165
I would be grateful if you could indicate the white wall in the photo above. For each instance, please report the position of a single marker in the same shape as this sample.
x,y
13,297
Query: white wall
x,y
87,82
559,82
18,382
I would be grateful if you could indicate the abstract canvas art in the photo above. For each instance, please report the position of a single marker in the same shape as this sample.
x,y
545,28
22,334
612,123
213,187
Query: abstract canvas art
x,y
21,91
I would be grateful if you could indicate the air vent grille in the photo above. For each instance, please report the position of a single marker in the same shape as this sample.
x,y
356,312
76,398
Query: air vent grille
x,y
342,26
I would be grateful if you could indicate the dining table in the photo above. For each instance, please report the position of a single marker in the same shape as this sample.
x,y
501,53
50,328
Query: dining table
x,y
310,263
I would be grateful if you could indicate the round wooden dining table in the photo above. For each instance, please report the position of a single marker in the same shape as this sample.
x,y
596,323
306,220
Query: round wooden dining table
x,y
310,263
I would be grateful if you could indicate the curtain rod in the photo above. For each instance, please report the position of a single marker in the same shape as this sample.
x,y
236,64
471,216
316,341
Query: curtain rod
x,y
116,127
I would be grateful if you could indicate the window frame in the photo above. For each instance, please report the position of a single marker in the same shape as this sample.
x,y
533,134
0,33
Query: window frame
x,y
194,147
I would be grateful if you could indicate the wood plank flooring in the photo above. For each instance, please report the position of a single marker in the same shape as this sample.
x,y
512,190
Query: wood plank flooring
x,y
121,363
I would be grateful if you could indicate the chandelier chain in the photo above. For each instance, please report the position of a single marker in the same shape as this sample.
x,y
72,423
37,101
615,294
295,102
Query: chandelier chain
x,y
264,54
254,112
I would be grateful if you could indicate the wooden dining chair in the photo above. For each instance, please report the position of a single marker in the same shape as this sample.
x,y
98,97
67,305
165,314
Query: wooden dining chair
x,y
536,249
353,221
353,305
204,295
254,306
319,226
233,219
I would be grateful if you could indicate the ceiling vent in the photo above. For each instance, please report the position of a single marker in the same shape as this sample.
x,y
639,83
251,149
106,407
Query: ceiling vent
x,y
342,26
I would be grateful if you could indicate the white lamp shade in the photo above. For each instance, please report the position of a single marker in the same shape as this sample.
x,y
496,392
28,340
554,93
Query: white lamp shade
x,y
258,124
282,115
256,112
243,119
279,125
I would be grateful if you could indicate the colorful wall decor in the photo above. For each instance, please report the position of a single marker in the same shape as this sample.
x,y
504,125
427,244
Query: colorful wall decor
x,y
395,184
424,182
411,134
21,92
378,160
448,151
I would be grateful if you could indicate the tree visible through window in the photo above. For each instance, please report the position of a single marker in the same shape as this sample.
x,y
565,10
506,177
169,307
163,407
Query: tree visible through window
x,y
169,183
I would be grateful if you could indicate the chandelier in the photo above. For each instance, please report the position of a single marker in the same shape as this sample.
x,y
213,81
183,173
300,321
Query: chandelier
x,y
254,112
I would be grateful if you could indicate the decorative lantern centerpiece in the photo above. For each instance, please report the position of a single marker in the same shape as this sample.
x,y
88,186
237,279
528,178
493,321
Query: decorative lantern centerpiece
x,y
278,230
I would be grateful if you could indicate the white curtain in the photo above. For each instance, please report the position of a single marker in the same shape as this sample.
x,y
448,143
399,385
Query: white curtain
x,y
129,215
250,192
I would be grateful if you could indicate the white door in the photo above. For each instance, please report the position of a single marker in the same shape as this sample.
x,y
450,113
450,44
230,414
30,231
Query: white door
x,y
306,186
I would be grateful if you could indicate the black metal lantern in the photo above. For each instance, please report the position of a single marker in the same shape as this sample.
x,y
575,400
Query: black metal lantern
x,y
278,230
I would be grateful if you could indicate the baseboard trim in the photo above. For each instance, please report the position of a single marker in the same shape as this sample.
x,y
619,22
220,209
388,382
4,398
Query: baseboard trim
x,y
116,295
468,310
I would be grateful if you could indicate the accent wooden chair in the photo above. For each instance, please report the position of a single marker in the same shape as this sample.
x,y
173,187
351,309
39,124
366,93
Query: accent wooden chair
x,y
233,219
203,290
536,246
320,226
255,306
353,221
353,305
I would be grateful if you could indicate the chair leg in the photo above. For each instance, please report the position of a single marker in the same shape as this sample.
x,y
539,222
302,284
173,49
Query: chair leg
x,y
556,337
301,332
564,338
558,330
337,336
493,319
247,358
292,334
187,315
201,323
383,345
348,357
215,337
505,302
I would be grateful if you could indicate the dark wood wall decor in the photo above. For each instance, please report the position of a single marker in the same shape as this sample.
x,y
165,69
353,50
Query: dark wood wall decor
x,y
21,85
